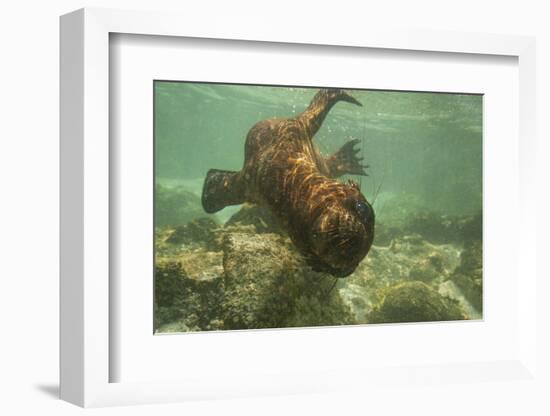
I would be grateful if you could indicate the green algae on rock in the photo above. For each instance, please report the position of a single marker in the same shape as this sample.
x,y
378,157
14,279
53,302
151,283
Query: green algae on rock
x,y
241,276
200,231
408,258
414,301
278,290
260,217
468,275
248,280
189,289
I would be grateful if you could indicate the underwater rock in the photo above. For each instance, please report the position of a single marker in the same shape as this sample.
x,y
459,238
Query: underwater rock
x,y
428,269
433,227
200,231
260,217
449,289
247,280
242,276
414,301
407,258
189,290
268,285
177,326
471,228
468,276
359,299
444,228
176,206
404,214
411,258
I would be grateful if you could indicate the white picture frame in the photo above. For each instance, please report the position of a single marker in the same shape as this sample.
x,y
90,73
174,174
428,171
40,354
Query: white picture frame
x,y
85,355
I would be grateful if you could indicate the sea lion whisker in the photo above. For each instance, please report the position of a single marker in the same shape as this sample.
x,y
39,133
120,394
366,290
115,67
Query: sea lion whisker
x,y
333,232
327,294
343,242
378,189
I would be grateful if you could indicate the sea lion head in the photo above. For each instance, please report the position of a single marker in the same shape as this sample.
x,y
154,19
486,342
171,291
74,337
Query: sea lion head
x,y
342,233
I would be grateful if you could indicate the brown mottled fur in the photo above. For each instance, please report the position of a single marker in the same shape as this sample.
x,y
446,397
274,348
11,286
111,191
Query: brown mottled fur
x,y
330,222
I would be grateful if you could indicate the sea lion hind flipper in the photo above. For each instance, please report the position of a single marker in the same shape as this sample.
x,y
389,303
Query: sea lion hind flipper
x,y
313,116
345,161
221,188
345,96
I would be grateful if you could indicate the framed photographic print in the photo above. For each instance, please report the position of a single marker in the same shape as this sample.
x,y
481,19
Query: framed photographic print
x,y
237,211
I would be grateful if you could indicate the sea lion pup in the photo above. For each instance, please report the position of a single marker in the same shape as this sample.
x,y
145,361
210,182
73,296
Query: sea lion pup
x,y
330,222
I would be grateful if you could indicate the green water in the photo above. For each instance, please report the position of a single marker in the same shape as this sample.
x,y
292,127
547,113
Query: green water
x,y
424,152
427,144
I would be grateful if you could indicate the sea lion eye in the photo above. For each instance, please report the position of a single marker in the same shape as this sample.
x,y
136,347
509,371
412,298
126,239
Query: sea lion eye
x,y
361,207
364,211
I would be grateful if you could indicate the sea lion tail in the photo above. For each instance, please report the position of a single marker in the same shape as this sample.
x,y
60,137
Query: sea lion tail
x,y
221,188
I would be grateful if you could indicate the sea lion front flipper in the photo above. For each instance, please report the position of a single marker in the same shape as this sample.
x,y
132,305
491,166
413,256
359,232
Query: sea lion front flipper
x,y
221,188
345,161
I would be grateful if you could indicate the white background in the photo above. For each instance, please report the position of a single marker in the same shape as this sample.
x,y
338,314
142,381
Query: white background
x,y
29,175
